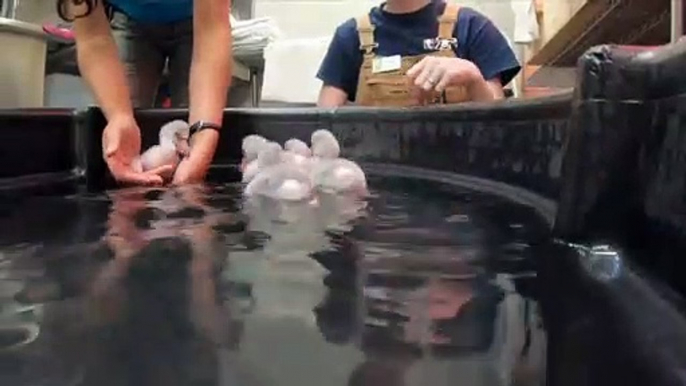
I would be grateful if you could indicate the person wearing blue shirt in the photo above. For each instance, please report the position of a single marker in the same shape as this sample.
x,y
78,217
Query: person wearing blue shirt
x,y
123,47
416,52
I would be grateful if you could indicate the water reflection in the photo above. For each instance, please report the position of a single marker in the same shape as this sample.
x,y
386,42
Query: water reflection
x,y
426,306
19,323
193,286
414,329
601,262
152,313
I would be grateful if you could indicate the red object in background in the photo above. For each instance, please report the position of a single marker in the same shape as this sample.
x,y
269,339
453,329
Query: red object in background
x,y
59,32
166,103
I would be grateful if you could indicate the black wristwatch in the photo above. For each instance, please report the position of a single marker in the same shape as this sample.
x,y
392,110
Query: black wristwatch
x,y
202,125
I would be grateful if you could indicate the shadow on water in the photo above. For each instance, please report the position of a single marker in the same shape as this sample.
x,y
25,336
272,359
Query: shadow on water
x,y
420,284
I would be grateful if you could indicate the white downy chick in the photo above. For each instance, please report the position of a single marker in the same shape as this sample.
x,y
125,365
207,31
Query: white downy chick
x,y
270,155
325,145
296,152
173,143
298,147
254,167
339,175
278,180
331,173
251,146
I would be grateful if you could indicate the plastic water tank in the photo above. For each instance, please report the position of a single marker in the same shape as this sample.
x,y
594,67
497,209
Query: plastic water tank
x,y
22,66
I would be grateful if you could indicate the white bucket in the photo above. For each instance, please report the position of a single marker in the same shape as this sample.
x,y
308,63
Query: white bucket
x,y
22,65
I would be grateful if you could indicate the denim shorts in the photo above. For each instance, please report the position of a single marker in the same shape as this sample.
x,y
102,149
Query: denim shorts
x,y
147,49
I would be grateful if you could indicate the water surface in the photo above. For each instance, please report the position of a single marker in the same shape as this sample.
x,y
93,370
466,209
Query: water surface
x,y
421,284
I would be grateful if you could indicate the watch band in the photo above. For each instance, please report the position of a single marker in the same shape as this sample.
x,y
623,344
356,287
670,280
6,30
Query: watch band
x,y
202,125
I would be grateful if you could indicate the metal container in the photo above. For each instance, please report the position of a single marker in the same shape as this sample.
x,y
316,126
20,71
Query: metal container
x,y
22,67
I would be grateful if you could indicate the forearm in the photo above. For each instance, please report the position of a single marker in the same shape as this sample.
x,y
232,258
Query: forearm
x,y
482,90
330,96
99,64
210,79
211,70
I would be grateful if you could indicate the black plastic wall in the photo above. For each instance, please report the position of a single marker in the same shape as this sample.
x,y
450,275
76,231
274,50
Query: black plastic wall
x,y
38,151
515,142
624,175
625,169
605,323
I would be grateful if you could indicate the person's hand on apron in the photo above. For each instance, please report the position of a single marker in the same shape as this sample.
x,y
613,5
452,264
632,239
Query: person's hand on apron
x,y
432,75
121,144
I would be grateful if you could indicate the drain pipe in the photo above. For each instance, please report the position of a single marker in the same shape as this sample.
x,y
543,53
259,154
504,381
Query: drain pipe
x,y
677,20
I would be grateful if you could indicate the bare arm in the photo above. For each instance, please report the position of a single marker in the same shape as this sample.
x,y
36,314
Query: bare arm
x,y
99,62
212,63
210,78
487,90
330,96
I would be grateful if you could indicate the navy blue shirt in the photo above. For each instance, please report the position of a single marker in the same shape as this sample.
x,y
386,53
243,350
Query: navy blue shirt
x,y
479,41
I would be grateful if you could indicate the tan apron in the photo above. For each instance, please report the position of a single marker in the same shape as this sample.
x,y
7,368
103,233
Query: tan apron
x,y
392,88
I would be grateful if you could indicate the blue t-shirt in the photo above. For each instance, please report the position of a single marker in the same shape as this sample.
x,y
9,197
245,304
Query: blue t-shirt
x,y
479,41
154,11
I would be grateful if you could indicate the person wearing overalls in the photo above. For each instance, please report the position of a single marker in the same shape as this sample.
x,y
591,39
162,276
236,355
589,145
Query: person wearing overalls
x,y
416,52
123,47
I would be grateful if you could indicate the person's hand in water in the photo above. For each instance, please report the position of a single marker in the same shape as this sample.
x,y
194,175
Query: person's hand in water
x,y
434,74
193,168
121,144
